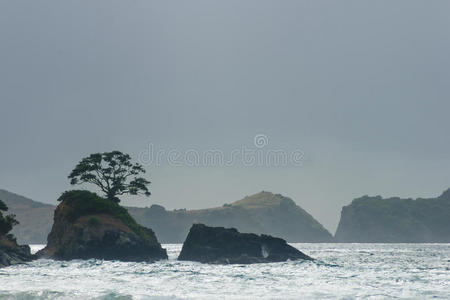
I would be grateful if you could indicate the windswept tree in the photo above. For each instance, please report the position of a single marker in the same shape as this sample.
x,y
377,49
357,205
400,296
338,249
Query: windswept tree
x,y
113,172
6,222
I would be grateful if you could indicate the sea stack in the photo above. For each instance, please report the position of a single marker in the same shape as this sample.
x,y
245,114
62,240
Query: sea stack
x,y
87,226
219,245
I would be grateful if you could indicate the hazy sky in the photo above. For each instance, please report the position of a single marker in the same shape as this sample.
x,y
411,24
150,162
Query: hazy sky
x,y
362,88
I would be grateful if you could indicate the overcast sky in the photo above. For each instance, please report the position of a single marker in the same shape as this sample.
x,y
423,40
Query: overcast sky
x,y
361,88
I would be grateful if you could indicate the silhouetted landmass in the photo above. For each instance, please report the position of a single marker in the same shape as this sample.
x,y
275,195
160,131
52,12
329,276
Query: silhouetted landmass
x,y
395,220
263,213
219,245
88,226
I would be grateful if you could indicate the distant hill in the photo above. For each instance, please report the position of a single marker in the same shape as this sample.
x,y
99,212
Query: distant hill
x,y
395,220
261,213
35,218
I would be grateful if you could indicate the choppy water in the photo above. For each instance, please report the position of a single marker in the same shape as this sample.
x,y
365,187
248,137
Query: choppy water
x,y
342,271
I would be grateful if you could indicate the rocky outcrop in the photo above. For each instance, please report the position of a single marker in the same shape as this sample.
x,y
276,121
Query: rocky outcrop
x,y
87,226
395,220
219,245
11,253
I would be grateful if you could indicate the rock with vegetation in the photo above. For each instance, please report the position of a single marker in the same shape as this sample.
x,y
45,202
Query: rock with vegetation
x,y
262,213
10,252
88,226
35,218
219,245
394,220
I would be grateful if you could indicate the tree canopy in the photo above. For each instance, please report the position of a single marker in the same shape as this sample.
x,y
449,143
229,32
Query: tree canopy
x,y
6,222
113,172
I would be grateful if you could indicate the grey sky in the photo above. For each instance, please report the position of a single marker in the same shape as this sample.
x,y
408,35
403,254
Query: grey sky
x,y
361,87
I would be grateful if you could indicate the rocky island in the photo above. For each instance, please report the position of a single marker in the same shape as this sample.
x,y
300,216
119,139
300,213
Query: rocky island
x,y
395,220
219,245
89,226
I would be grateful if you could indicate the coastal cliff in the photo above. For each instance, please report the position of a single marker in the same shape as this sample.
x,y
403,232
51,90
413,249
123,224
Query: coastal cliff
x,y
395,220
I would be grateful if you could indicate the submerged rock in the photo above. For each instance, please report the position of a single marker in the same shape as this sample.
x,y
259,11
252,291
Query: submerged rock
x,y
219,245
87,226
11,253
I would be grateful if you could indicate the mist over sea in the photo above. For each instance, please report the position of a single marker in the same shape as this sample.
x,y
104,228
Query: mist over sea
x,y
341,271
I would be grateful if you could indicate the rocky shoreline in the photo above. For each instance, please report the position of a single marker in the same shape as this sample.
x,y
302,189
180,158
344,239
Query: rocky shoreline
x,y
11,253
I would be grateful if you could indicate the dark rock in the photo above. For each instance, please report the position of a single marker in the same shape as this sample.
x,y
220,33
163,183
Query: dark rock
x,y
219,245
94,234
11,253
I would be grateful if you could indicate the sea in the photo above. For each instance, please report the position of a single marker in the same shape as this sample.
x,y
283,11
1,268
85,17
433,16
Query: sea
x,y
340,271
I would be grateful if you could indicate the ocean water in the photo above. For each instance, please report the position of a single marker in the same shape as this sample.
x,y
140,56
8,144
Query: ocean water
x,y
341,271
